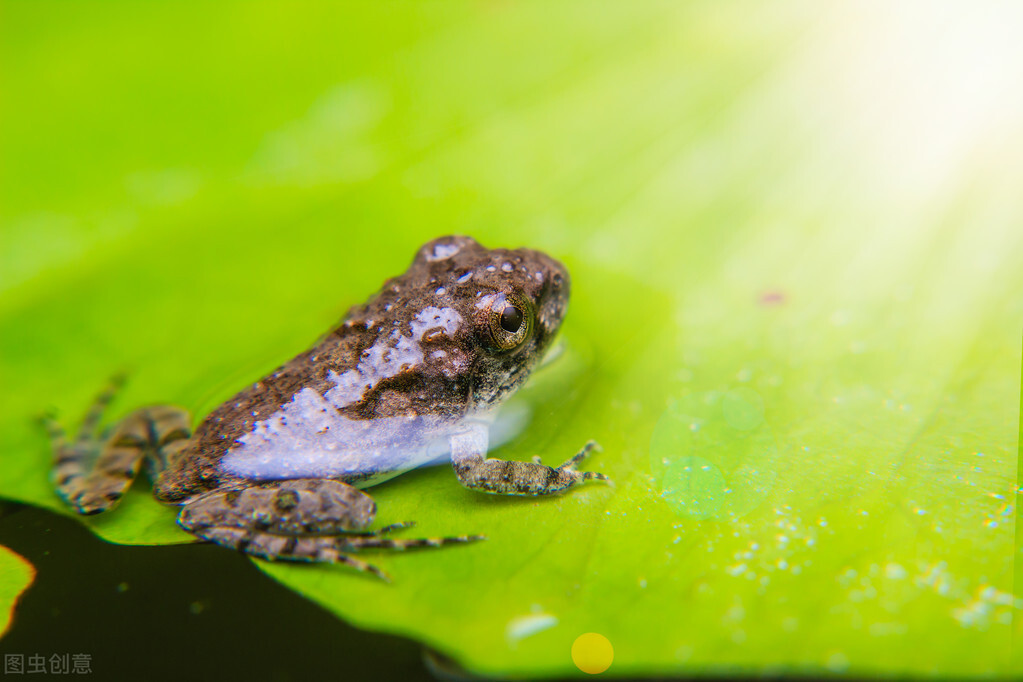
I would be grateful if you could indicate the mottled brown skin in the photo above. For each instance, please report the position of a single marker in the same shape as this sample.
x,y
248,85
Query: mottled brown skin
x,y
472,372
315,519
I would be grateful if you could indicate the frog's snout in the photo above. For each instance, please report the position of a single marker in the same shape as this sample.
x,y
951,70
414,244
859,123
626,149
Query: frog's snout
x,y
552,302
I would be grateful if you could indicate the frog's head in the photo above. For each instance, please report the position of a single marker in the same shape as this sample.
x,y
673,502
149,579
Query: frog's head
x,y
514,301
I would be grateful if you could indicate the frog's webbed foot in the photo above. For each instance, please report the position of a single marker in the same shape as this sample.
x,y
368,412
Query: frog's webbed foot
x,y
476,471
93,471
311,520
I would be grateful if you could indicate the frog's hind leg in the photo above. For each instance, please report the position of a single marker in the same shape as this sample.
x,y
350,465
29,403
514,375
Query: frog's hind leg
x,y
295,548
93,472
313,520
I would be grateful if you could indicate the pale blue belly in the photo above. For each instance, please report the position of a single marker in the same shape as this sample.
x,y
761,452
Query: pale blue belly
x,y
309,438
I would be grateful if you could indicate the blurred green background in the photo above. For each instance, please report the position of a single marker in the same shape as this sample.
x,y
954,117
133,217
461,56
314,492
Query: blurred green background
x,y
795,237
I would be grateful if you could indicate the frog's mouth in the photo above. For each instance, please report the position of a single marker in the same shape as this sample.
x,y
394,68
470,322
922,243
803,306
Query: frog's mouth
x,y
497,378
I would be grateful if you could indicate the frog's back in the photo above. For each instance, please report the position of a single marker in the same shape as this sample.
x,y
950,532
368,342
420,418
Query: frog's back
x,y
355,407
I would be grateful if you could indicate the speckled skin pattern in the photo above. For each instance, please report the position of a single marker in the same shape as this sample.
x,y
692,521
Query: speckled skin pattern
x,y
414,373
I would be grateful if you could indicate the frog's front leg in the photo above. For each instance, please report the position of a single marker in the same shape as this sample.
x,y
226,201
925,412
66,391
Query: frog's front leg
x,y
307,519
476,471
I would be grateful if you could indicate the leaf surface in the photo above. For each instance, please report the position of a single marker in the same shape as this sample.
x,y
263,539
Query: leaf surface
x,y
795,325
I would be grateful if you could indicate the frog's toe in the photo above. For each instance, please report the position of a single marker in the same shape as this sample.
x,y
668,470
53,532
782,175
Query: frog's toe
x,y
364,566
89,502
595,476
571,463
401,525
360,543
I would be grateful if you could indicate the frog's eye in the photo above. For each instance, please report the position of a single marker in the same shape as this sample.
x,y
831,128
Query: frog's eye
x,y
510,321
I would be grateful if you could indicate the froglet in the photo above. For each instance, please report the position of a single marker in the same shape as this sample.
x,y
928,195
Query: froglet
x,y
412,376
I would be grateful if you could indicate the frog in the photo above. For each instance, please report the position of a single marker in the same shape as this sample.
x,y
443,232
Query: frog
x,y
413,376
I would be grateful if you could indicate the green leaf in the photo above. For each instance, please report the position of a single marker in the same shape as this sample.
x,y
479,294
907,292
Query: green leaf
x,y
16,574
795,324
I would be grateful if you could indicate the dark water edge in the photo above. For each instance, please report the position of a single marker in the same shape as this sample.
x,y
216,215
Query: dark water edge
x,y
193,612
178,612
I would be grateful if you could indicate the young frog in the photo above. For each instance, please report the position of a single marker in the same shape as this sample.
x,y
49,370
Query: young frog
x,y
413,375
